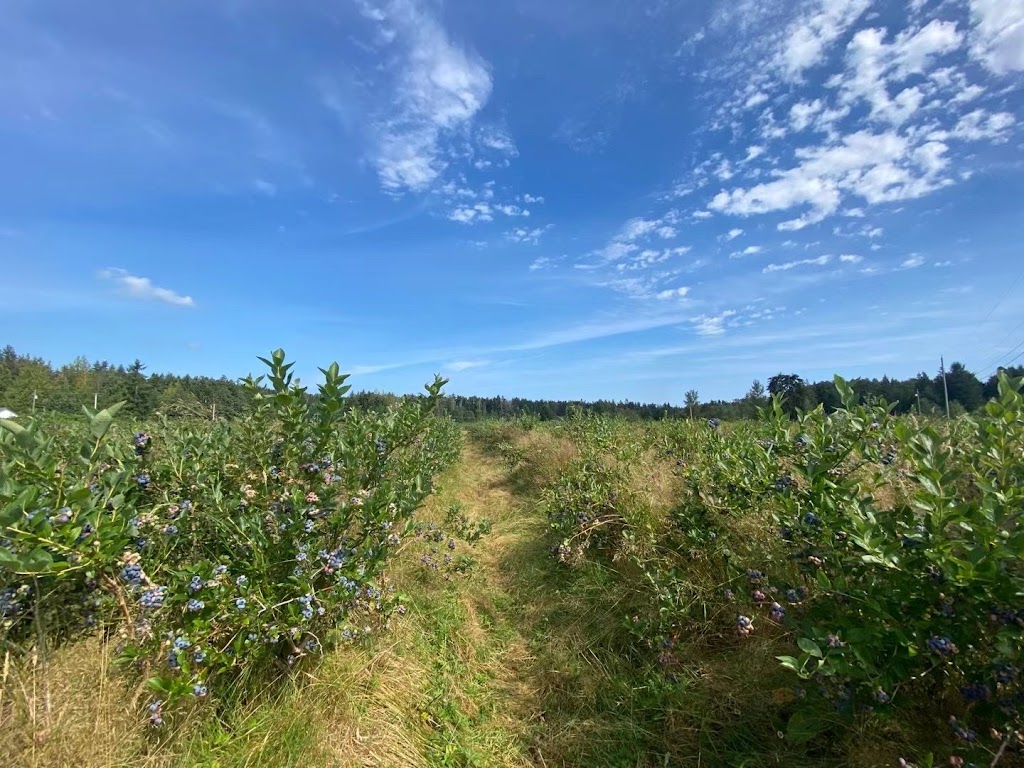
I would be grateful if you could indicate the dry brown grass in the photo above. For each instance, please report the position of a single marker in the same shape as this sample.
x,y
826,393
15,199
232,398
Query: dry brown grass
x,y
362,707
70,711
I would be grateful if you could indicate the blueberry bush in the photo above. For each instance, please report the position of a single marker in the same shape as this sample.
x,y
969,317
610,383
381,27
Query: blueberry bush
x,y
219,553
883,556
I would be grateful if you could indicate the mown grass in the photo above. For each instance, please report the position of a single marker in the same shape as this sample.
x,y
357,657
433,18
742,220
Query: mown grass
x,y
521,662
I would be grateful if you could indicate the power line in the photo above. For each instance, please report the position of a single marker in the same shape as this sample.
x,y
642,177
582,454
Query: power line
x,y
992,369
1018,357
1011,335
1008,292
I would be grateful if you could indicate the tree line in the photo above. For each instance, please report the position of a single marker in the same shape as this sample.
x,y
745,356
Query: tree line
x,y
31,383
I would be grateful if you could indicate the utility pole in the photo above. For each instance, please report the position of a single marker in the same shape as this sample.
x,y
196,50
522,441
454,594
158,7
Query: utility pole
x,y
214,411
918,396
945,389
35,396
95,400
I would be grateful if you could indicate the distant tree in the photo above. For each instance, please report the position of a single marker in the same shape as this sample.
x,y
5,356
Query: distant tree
x,y
692,401
790,388
825,393
175,401
964,387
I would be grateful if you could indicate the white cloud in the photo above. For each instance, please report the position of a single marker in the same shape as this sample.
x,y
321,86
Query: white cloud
x,y
465,365
732,234
712,325
878,167
702,214
511,210
673,293
850,258
756,99
469,214
463,215
143,288
497,140
977,126
440,89
532,199
818,262
802,113
912,262
616,250
636,228
750,250
646,258
754,152
808,39
524,235
997,39
873,65
667,233
544,262
265,187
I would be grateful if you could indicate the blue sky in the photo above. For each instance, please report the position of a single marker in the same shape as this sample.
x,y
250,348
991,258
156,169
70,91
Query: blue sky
x,y
584,198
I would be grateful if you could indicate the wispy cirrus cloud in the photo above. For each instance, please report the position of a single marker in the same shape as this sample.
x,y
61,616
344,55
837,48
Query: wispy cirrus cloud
x,y
464,365
820,261
439,89
143,288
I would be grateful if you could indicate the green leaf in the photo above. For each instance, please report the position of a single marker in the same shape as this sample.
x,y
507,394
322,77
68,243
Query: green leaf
x,y
809,646
789,662
804,725
929,485
12,426
99,425
10,515
36,561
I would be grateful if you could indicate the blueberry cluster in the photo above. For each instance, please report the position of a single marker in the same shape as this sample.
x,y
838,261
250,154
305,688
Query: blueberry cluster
x,y
942,646
812,520
306,601
975,692
1007,617
153,598
132,573
141,443
960,731
9,602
